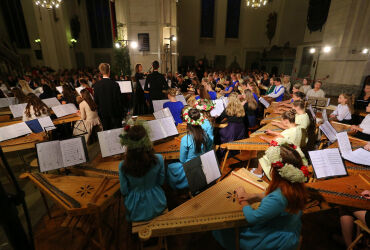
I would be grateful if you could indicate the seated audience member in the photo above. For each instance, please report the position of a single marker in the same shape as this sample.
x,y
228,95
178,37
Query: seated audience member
x,y
363,130
344,110
364,99
193,144
89,114
141,175
276,223
26,89
348,215
250,107
19,95
316,91
286,83
305,87
35,108
47,92
278,93
174,106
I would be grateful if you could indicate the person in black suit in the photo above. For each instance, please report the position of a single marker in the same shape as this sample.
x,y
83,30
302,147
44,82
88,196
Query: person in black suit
x,y
107,96
157,83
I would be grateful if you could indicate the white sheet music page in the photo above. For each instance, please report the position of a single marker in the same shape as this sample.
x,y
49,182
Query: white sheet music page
x,y
312,112
46,123
63,110
14,131
156,130
168,126
109,142
181,98
210,166
60,89
264,102
327,163
219,108
359,156
79,90
344,143
51,102
18,109
158,104
49,155
142,83
324,115
6,102
125,86
329,131
73,151
159,114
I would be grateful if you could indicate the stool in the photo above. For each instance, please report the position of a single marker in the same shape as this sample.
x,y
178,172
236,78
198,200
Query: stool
x,y
362,229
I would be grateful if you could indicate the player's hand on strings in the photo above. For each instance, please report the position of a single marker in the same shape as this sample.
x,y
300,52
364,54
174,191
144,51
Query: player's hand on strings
x,y
366,194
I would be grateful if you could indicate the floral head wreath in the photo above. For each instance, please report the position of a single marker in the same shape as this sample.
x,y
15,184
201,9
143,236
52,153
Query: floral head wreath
x,y
204,105
286,171
144,142
188,120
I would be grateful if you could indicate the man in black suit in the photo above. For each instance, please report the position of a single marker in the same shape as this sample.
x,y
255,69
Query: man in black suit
x,y
107,95
157,83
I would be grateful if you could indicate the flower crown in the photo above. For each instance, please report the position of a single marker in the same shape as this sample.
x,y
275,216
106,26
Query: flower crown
x,y
144,142
204,105
286,171
188,120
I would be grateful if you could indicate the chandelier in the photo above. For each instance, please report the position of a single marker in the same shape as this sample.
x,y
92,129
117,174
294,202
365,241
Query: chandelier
x,y
48,4
256,3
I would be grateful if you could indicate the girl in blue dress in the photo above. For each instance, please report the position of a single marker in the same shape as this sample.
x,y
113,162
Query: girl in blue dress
x,y
202,93
205,106
276,223
211,92
193,144
174,106
141,176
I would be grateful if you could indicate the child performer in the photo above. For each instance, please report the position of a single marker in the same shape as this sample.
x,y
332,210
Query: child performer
x,y
174,106
363,130
278,93
344,110
276,223
193,144
141,175
35,108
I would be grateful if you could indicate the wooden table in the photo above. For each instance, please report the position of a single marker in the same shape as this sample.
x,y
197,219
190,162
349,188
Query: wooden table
x,y
22,143
61,120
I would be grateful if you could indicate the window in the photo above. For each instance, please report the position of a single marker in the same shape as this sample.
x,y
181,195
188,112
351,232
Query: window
x,y
207,18
99,23
143,39
15,24
232,19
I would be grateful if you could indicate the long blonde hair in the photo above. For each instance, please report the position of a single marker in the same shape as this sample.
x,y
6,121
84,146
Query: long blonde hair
x,y
249,98
235,106
25,87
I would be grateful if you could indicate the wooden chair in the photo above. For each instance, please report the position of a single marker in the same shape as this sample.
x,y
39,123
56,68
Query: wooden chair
x,y
241,160
362,230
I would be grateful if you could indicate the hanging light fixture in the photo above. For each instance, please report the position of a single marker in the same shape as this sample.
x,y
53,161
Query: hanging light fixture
x,y
255,4
48,4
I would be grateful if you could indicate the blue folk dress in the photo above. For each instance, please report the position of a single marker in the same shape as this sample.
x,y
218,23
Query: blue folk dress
x,y
176,109
270,226
144,197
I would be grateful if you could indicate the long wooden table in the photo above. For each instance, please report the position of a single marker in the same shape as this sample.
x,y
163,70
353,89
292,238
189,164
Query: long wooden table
x,y
22,143
61,120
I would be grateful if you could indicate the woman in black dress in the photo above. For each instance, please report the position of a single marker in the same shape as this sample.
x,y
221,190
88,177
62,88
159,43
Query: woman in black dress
x,y
140,106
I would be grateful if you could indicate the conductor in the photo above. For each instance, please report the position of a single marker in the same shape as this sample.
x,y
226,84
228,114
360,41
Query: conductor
x,y
156,83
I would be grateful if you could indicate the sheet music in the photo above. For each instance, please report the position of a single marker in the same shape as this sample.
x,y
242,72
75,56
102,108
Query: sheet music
x,y
327,162
210,166
156,130
168,126
51,102
63,110
312,112
13,131
73,151
264,102
359,156
46,123
163,113
60,89
343,142
49,155
328,102
109,142
219,108
79,90
142,83
181,98
329,131
6,102
125,86
158,104
18,109
324,115
225,100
